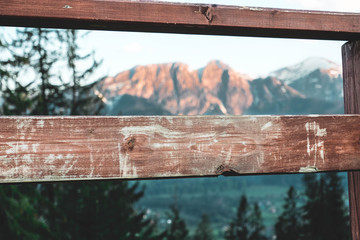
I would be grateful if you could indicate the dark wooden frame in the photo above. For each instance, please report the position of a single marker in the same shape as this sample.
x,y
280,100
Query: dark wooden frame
x,y
191,19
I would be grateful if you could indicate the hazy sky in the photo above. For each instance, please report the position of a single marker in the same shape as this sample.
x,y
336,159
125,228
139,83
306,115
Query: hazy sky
x,y
254,56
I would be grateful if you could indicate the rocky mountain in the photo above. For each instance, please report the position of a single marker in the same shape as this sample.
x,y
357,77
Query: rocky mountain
x,y
316,78
273,96
320,84
292,73
183,91
312,86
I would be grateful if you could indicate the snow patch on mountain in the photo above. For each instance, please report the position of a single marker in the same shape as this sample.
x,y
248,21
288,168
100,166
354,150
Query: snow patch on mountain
x,y
294,72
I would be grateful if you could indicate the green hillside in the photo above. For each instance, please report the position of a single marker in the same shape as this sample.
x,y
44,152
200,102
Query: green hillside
x,y
217,197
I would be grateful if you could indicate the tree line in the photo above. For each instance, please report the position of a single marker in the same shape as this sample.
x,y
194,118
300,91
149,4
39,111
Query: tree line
x,y
40,75
317,213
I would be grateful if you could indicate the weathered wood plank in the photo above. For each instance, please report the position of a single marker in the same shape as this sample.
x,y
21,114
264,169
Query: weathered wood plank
x,y
180,18
80,148
351,72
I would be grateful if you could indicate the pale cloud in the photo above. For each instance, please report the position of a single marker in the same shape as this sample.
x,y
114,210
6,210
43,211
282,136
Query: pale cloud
x,y
133,47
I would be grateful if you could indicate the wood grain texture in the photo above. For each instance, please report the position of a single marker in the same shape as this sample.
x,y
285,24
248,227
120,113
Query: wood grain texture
x,y
354,199
80,148
180,18
351,75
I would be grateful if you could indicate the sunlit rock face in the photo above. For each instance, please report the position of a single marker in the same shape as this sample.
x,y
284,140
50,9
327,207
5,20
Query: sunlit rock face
x,y
312,86
181,90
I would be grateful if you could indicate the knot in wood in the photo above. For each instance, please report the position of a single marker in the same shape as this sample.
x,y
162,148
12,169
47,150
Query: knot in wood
x,y
130,143
207,11
220,169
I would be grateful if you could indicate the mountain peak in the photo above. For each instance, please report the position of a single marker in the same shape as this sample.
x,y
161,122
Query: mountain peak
x,y
292,73
218,64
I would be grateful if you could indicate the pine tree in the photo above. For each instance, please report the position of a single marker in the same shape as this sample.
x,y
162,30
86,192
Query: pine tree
x,y
98,210
239,227
177,229
15,95
204,230
248,224
40,48
324,211
79,99
256,224
288,225
311,208
337,217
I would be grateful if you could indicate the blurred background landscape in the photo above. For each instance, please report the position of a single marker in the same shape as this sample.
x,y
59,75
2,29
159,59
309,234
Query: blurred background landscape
x,y
65,72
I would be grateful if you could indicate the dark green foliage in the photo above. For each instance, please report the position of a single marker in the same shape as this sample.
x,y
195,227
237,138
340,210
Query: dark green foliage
x,y
239,227
96,210
288,225
324,215
204,230
313,208
17,101
176,229
336,211
256,225
19,215
248,224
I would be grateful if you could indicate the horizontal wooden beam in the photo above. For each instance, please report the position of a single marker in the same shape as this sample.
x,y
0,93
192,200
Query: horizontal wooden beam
x,y
180,18
81,148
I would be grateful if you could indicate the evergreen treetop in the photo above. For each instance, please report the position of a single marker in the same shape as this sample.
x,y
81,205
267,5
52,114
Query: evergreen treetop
x,y
248,223
204,230
288,225
177,229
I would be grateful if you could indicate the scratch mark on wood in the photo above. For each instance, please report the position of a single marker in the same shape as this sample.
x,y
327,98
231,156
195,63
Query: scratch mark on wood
x,y
316,134
92,166
40,123
266,126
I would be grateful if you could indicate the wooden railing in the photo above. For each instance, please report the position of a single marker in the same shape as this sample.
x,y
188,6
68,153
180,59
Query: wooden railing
x,y
36,149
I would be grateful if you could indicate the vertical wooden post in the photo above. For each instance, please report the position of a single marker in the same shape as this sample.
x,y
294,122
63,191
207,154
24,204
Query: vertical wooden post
x,y
351,73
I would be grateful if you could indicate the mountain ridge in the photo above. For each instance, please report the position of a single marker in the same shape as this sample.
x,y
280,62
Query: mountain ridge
x,y
219,89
